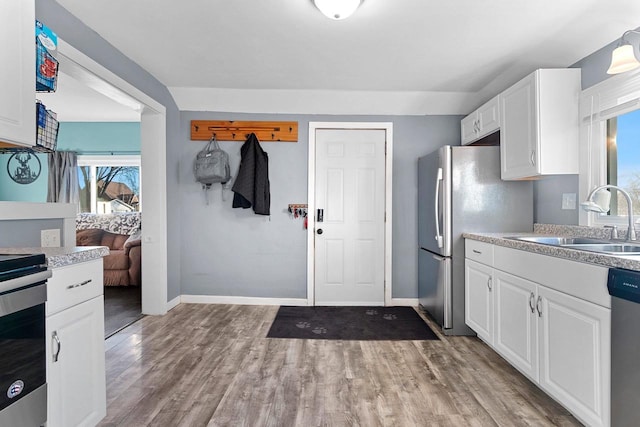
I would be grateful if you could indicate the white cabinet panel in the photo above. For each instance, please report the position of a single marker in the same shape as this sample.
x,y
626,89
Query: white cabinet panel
x,y
482,122
479,299
75,366
75,351
17,72
479,251
539,125
516,326
575,355
73,284
469,128
489,117
518,134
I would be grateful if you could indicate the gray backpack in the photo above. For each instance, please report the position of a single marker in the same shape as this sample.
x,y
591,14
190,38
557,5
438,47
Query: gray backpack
x,y
212,165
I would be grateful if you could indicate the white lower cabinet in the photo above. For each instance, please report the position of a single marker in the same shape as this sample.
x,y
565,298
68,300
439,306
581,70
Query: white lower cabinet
x,y
575,354
558,340
479,299
516,325
75,351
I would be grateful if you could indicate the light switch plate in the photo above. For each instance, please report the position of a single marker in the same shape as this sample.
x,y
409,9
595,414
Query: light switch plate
x,y
50,238
569,201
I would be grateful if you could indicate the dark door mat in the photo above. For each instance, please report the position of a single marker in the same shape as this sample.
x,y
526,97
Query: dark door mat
x,y
350,323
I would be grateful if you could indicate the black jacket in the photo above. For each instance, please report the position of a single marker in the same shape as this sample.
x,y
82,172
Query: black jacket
x,y
251,187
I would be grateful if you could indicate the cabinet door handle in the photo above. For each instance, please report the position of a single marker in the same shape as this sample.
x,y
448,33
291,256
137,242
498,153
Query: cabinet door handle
x,y
77,285
475,251
539,306
532,299
55,338
533,157
489,284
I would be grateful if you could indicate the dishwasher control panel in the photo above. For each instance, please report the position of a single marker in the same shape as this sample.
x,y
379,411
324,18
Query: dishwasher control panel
x,y
624,284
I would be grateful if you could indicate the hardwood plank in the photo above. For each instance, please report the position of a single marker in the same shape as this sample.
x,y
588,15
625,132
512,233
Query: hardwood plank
x,y
211,365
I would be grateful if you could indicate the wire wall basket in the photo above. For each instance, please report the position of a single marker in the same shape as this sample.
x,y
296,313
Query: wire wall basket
x,y
46,129
46,69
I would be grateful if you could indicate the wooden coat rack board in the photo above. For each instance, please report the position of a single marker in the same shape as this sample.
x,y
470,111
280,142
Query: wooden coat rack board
x,y
202,130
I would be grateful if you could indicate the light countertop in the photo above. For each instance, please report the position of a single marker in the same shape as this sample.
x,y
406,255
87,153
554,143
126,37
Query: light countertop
x,y
630,262
60,257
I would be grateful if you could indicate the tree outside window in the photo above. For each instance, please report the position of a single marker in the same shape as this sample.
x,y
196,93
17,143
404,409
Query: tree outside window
x,y
623,161
107,189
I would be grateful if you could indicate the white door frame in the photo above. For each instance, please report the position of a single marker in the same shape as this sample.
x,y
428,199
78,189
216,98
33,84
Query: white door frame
x,y
311,217
153,153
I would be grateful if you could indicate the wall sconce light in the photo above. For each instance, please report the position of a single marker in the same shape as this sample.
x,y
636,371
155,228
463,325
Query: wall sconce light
x,y
337,9
622,57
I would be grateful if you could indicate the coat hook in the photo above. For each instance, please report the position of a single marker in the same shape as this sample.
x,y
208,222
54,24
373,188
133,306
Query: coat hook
x,y
195,127
233,135
272,137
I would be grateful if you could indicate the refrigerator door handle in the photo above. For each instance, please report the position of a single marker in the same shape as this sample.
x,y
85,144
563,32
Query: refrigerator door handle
x,y
439,238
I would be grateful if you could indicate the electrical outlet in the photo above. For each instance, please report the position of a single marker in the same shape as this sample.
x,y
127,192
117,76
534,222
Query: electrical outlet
x,y
50,238
569,201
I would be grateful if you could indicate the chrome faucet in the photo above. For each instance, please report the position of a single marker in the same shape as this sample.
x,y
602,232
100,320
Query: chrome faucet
x,y
590,205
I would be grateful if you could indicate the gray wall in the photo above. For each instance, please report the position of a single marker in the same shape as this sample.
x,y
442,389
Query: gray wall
x,y
547,200
25,233
232,252
83,38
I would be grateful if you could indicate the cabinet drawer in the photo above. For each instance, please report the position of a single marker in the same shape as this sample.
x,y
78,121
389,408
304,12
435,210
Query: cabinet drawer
x,y
479,251
73,284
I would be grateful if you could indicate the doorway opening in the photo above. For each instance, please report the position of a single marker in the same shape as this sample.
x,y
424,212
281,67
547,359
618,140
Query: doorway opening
x,y
152,172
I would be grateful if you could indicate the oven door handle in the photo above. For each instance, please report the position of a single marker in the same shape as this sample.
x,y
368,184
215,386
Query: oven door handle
x,y
56,339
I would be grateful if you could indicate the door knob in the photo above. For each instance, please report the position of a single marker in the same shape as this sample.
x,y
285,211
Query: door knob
x,y
319,231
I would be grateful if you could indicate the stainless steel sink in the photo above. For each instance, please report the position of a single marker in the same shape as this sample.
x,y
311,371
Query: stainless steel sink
x,y
559,241
617,249
584,244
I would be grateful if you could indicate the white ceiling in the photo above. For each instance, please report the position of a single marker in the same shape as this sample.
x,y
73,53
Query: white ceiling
x,y
459,47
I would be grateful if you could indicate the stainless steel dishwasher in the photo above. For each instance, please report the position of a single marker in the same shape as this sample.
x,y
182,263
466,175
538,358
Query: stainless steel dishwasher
x,y
624,288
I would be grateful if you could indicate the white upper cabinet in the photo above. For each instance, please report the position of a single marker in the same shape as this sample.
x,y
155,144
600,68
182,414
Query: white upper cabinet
x,y
482,122
17,72
539,125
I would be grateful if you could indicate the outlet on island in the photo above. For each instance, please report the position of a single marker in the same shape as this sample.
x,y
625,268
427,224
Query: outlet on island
x,y
50,238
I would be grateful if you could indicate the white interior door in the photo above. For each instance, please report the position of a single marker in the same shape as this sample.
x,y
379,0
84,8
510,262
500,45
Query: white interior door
x,y
350,231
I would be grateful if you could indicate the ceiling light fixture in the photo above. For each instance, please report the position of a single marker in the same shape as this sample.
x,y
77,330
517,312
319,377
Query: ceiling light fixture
x,y
337,9
622,58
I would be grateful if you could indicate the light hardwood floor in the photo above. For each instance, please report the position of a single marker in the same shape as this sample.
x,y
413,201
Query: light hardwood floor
x,y
211,365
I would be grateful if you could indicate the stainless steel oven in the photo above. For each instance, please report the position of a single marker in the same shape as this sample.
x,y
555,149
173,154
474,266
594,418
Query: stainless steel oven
x,y
23,388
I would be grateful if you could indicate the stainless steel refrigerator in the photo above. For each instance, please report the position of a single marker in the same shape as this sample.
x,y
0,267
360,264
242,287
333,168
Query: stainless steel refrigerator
x,y
460,190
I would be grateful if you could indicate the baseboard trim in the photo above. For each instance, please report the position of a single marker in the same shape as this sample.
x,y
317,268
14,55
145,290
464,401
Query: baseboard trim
x,y
404,302
216,299
173,303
